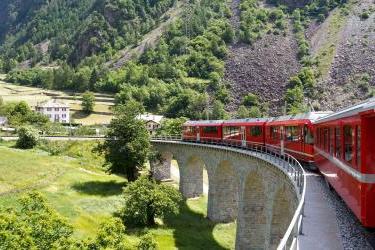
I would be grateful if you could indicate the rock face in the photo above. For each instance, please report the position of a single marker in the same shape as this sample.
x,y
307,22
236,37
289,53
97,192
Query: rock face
x,y
294,3
262,69
352,73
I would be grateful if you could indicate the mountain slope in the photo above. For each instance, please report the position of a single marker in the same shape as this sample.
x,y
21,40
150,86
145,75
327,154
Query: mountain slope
x,y
351,73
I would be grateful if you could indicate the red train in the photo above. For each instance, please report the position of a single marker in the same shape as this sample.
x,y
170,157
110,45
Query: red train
x,y
292,134
341,145
345,147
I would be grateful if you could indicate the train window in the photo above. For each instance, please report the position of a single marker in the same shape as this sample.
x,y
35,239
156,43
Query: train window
x,y
256,131
189,129
210,130
231,131
318,137
309,137
326,139
338,142
348,143
275,133
358,146
331,138
292,133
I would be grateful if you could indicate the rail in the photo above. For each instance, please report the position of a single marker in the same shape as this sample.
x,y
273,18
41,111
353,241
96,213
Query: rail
x,y
286,162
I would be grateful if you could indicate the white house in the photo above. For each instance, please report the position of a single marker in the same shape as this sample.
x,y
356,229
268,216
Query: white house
x,y
153,122
55,110
3,121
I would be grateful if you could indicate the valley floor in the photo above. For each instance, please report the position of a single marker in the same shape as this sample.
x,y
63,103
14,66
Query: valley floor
x,y
83,193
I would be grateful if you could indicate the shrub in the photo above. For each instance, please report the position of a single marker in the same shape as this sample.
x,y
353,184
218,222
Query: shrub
x,y
27,137
147,243
145,200
250,100
365,15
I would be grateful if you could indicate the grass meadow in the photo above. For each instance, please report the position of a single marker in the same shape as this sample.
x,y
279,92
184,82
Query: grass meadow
x,y
75,184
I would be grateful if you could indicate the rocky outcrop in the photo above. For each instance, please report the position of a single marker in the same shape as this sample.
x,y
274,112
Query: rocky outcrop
x,y
263,69
352,73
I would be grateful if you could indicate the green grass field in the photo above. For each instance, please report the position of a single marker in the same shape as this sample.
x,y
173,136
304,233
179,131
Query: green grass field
x,y
76,186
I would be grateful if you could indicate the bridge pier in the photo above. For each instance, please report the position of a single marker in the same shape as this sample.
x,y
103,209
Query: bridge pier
x,y
253,219
191,177
223,194
161,167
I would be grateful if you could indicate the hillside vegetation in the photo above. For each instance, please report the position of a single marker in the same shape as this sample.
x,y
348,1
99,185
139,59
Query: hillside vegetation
x,y
195,58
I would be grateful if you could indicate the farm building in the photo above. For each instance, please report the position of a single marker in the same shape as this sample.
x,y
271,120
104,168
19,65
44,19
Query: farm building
x,y
56,111
153,122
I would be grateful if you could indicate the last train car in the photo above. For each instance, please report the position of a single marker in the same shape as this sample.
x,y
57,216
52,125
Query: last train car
x,y
203,131
345,147
244,132
293,134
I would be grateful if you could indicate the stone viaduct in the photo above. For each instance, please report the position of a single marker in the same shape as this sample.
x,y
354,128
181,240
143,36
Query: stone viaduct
x,y
260,196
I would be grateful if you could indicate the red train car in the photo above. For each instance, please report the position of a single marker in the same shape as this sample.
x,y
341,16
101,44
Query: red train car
x,y
203,131
293,134
244,131
345,146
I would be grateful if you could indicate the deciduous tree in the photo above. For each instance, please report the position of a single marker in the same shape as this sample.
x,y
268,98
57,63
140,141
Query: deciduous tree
x,y
127,144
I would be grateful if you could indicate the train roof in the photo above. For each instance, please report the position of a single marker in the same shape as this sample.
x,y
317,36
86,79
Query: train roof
x,y
203,123
312,116
246,120
351,111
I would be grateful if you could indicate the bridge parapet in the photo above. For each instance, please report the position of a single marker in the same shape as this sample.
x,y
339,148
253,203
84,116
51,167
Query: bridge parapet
x,y
260,187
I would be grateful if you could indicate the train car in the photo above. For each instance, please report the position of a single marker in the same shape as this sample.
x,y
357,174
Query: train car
x,y
243,132
203,131
345,147
293,134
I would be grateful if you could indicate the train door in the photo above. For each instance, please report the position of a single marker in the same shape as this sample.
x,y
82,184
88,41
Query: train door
x,y
198,134
282,143
243,136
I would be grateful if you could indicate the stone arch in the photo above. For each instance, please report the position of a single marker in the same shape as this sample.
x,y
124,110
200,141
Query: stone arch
x,y
282,214
252,221
191,177
223,193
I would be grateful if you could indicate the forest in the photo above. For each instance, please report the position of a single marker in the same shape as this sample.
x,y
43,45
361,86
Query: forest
x,y
181,76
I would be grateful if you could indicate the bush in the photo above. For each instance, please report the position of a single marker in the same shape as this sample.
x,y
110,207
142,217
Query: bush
x,y
365,15
27,137
250,100
34,225
145,200
147,243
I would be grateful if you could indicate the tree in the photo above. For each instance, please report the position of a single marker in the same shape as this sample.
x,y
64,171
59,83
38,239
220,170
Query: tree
x,y
34,225
88,102
295,100
242,112
145,200
218,111
27,137
171,126
127,144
